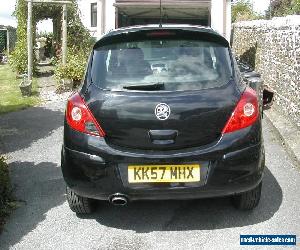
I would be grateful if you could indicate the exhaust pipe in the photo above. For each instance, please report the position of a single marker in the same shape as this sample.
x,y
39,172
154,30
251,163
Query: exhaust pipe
x,y
118,200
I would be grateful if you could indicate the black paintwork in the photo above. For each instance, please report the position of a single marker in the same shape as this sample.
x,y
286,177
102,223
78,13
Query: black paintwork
x,y
198,116
97,167
140,33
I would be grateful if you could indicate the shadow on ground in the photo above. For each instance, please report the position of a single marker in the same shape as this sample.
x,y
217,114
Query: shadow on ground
x,y
205,214
45,73
27,126
41,188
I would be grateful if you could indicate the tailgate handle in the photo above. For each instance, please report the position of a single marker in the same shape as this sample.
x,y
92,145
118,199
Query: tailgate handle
x,y
163,136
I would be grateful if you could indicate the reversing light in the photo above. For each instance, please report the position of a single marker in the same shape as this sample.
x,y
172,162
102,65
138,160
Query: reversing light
x,y
76,114
249,109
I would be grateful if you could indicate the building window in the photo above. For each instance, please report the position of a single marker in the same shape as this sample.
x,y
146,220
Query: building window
x,y
93,14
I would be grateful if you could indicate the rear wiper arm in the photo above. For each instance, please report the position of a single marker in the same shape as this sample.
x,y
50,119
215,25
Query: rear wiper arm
x,y
154,86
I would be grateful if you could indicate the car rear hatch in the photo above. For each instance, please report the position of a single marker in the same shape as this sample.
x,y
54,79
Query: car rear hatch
x,y
171,102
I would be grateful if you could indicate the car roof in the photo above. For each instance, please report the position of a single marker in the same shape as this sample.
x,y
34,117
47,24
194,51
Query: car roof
x,y
137,28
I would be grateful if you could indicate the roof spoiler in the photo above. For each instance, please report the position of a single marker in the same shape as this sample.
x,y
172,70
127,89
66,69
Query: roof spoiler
x,y
144,33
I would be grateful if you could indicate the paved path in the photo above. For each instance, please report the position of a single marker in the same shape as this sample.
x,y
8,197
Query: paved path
x,y
46,81
32,139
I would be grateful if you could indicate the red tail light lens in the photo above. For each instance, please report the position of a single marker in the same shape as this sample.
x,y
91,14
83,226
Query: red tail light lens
x,y
80,118
245,113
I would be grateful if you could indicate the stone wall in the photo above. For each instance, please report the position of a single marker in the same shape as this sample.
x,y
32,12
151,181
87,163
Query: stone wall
x,y
272,47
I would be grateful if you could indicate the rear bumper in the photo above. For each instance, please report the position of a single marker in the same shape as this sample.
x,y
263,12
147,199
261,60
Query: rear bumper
x,y
226,169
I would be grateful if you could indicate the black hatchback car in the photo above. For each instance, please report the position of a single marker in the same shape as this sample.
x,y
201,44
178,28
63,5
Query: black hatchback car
x,y
163,113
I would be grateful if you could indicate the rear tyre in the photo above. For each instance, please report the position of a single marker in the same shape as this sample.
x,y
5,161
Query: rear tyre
x,y
248,200
79,204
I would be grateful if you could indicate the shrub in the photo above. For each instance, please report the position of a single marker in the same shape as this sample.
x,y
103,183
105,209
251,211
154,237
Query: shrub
x,y
18,59
242,10
296,7
5,190
75,67
78,36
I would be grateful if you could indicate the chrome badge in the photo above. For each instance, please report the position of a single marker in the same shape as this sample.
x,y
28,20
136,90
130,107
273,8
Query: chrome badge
x,y
162,111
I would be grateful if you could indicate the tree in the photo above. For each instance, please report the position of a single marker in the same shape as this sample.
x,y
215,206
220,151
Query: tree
x,y
296,7
242,10
283,8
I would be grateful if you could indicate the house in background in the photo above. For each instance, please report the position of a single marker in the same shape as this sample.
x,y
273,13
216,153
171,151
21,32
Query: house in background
x,y
101,16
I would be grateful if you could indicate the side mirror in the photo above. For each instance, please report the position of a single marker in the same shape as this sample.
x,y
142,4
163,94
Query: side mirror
x,y
268,97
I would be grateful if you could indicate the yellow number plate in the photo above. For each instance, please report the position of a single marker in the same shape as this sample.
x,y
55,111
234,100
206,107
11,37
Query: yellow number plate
x,y
164,173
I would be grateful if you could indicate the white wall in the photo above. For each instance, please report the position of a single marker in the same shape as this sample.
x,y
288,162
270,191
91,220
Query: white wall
x,y
220,16
85,13
110,19
217,16
228,20
105,16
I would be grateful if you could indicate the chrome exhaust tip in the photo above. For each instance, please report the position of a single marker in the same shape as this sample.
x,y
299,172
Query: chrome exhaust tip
x,y
118,200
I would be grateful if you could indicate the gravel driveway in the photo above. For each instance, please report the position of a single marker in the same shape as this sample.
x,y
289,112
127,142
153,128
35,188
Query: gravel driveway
x,y
32,139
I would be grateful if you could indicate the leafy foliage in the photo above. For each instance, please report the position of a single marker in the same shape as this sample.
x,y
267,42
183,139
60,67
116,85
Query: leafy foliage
x,y
18,58
5,188
283,7
296,7
79,39
279,8
75,67
242,10
80,43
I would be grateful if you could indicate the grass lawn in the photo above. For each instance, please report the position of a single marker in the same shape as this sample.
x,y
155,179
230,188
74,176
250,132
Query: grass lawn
x,y
10,95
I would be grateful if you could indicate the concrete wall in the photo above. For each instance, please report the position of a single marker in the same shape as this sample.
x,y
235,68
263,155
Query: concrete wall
x,y
273,48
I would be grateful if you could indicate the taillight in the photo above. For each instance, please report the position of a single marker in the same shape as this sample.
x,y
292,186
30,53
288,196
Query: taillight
x,y
80,118
245,113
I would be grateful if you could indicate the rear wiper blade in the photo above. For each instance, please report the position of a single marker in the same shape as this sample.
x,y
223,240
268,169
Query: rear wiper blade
x,y
154,86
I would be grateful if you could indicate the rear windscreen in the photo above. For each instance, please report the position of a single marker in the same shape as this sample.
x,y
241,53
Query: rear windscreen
x,y
178,64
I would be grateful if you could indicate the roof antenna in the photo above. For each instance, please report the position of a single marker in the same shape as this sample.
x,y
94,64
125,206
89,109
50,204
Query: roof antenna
x,y
160,14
